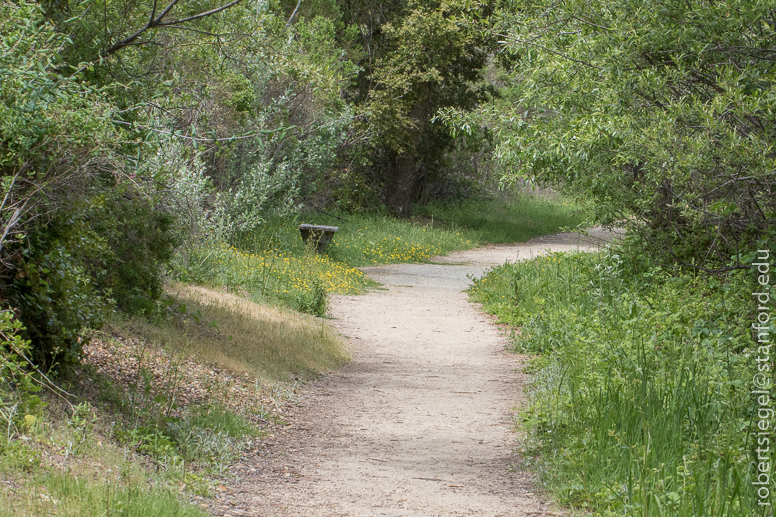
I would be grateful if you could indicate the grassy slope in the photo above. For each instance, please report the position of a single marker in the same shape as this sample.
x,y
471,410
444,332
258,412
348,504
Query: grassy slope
x,y
518,218
265,342
161,405
640,404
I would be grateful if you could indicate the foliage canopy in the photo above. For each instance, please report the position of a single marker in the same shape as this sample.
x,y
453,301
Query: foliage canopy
x,y
663,110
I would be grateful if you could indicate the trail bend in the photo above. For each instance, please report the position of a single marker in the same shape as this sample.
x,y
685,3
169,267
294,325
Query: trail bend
x,y
419,423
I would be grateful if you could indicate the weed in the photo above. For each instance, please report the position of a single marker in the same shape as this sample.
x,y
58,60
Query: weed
x,y
16,455
219,419
212,436
315,301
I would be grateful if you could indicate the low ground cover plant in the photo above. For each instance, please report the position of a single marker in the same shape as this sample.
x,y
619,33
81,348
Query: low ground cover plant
x,y
641,403
293,276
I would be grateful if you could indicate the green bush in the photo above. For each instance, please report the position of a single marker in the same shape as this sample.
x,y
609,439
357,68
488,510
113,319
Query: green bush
x,y
18,390
57,140
659,110
101,252
140,240
55,294
315,301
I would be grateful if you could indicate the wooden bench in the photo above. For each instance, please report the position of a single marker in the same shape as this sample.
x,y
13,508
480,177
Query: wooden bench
x,y
322,235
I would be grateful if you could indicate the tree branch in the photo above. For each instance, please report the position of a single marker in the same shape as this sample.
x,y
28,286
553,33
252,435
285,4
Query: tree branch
x,y
526,42
201,15
294,13
591,23
207,140
158,22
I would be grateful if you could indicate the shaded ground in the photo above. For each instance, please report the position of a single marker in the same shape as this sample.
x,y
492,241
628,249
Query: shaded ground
x,y
418,424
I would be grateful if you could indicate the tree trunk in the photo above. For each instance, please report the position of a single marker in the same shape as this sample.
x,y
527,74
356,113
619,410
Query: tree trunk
x,y
400,180
399,185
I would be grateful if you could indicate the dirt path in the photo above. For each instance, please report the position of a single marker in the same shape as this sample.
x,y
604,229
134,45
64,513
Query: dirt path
x,y
418,424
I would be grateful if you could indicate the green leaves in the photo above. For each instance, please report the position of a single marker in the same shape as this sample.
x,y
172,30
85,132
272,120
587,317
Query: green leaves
x,y
39,107
427,56
658,109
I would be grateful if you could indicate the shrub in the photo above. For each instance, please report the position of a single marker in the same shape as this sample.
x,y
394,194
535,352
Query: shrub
x,y
18,391
315,301
103,251
261,192
140,240
54,292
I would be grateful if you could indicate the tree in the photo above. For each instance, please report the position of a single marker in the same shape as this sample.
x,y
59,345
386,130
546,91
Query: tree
x,y
55,130
663,110
118,120
417,58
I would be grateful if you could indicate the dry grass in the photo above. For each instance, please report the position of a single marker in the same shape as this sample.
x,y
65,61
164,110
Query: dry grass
x,y
162,408
265,342
150,395
145,375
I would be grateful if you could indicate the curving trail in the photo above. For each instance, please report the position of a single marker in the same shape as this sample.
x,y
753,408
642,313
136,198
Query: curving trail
x,y
418,424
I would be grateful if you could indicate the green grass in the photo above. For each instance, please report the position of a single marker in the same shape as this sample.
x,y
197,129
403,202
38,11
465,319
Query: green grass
x,y
221,420
367,240
71,495
640,404
517,217
60,467
160,408
289,275
274,265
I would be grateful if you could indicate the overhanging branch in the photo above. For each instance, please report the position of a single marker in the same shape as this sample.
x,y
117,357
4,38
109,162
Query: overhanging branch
x,y
155,22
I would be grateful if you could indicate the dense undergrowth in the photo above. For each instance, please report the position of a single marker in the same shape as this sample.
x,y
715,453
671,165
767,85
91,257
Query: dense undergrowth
x,y
641,403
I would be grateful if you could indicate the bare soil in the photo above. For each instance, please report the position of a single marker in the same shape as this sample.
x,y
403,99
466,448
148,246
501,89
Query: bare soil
x,y
420,422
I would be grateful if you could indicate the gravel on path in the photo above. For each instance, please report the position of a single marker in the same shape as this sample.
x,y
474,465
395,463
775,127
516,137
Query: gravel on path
x,y
419,423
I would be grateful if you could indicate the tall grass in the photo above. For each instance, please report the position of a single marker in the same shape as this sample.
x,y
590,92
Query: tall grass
x,y
641,403
66,466
72,495
155,427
